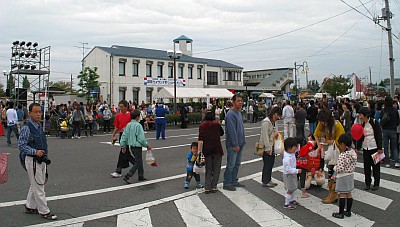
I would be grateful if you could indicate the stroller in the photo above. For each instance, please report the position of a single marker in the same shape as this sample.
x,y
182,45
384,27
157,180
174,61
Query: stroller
x,y
63,130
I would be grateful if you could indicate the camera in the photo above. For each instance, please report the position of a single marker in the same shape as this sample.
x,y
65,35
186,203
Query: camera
x,y
44,159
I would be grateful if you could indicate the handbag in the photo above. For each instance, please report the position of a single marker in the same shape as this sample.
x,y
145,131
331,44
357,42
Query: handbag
x,y
3,168
198,169
259,147
201,160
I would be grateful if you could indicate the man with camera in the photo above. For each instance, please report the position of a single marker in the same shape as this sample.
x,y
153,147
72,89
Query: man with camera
x,y
32,144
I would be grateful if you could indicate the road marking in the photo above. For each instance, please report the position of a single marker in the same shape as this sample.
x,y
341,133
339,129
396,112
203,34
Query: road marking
x,y
257,209
111,189
314,204
139,206
194,212
76,225
134,218
383,183
368,198
384,170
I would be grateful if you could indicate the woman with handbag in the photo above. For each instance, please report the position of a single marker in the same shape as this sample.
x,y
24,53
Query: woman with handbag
x,y
268,133
210,133
371,143
327,134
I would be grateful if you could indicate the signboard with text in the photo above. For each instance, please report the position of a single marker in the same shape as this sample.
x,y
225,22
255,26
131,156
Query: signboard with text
x,y
148,81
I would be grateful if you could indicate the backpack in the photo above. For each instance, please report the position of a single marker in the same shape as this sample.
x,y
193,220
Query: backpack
x,y
385,117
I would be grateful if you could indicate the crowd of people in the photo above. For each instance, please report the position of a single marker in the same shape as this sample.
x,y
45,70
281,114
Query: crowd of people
x,y
329,142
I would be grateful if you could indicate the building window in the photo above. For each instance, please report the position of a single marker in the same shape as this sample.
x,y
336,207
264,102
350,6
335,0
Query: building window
x,y
122,94
170,71
160,70
135,69
180,71
199,73
121,68
135,95
212,78
190,72
148,70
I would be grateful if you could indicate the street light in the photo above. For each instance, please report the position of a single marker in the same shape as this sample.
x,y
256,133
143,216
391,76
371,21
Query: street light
x,y
173,54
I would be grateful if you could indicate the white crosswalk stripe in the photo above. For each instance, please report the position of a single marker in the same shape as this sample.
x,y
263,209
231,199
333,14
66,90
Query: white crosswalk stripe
x,y
194,212
135,218
256,209
389,171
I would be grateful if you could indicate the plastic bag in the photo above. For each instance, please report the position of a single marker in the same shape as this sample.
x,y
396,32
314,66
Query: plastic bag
x,y
199,169
150,157
278,145
332,154
3,168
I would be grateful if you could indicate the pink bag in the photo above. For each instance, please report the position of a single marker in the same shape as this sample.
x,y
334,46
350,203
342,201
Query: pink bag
x,y
3,168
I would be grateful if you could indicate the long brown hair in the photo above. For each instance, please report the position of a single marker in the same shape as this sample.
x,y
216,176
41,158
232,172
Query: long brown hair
x,y
326,117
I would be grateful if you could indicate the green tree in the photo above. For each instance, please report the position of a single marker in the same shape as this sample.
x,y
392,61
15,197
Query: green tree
x,y
25,83
66,86
2,92
313,86
11,82
88,80
382,83
338,86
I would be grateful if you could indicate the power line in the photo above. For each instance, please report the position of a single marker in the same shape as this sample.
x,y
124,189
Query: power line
x,y
366,8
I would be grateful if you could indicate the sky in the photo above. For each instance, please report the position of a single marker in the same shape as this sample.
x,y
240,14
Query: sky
x,y
329,35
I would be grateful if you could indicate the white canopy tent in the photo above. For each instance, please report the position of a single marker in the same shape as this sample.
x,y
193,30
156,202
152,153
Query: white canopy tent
x,y
168,92
266,95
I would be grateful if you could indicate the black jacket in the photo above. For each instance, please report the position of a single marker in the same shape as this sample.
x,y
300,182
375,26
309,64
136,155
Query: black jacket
x,y
312,113
377,132
393,122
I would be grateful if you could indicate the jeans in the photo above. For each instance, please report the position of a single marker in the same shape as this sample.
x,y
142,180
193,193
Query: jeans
x,y
190,175
137,164
268,164
313,126
232,166
13,128
160,129
390,135
76,128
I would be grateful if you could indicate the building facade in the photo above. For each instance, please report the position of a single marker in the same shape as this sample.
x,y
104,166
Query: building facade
x,y
137,74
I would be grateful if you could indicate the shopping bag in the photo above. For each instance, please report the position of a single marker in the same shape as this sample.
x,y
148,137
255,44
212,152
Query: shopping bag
x,y
259,148
3,168
278,145
150,157
332,154
199,169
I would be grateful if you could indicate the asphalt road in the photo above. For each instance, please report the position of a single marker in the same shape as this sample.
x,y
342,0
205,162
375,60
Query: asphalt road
x,y
82,193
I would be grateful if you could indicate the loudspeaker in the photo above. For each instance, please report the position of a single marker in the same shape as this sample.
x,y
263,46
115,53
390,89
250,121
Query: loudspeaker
x,y
22,94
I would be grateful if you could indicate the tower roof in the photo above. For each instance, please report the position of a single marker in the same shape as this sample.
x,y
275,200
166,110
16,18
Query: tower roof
x,y
183,38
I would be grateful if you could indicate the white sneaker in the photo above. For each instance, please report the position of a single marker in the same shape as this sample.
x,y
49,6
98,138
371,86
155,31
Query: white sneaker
x,y
116,175
397,165
387,165
79,137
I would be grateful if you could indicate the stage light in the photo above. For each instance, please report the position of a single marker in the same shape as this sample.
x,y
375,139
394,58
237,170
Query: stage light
x,y
22,43
34,54
27,66
14,66
27,54
28,44
20,66
35,44
14,54
21,54
33,67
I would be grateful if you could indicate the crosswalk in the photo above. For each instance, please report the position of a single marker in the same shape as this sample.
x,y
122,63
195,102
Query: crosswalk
x,y
195,208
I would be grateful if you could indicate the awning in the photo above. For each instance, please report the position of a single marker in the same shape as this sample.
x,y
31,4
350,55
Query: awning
x,y
168,92
266,95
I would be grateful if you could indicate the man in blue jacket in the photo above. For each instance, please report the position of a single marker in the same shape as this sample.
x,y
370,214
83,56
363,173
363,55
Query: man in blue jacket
x,y
235,141
160,121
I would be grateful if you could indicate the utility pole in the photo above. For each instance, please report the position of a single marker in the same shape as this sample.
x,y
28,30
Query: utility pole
x,y
83,51
387,16
71,84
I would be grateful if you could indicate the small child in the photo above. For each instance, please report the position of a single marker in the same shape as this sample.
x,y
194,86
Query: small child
x,y
47,125
191,157
344,170
290,172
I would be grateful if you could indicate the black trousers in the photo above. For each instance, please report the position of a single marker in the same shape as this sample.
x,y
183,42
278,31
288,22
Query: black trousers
x,y
137,164
300,132
302,177
368,164
213,169
124,159
106,125
268,161
191,174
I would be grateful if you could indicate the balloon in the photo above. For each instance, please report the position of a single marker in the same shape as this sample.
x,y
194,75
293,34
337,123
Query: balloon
x,y
357,131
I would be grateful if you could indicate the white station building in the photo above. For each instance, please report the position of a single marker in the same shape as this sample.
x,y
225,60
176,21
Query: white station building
x,y
138,74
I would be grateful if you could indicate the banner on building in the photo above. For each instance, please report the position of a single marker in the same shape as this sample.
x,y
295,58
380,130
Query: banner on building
x,y
163,82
